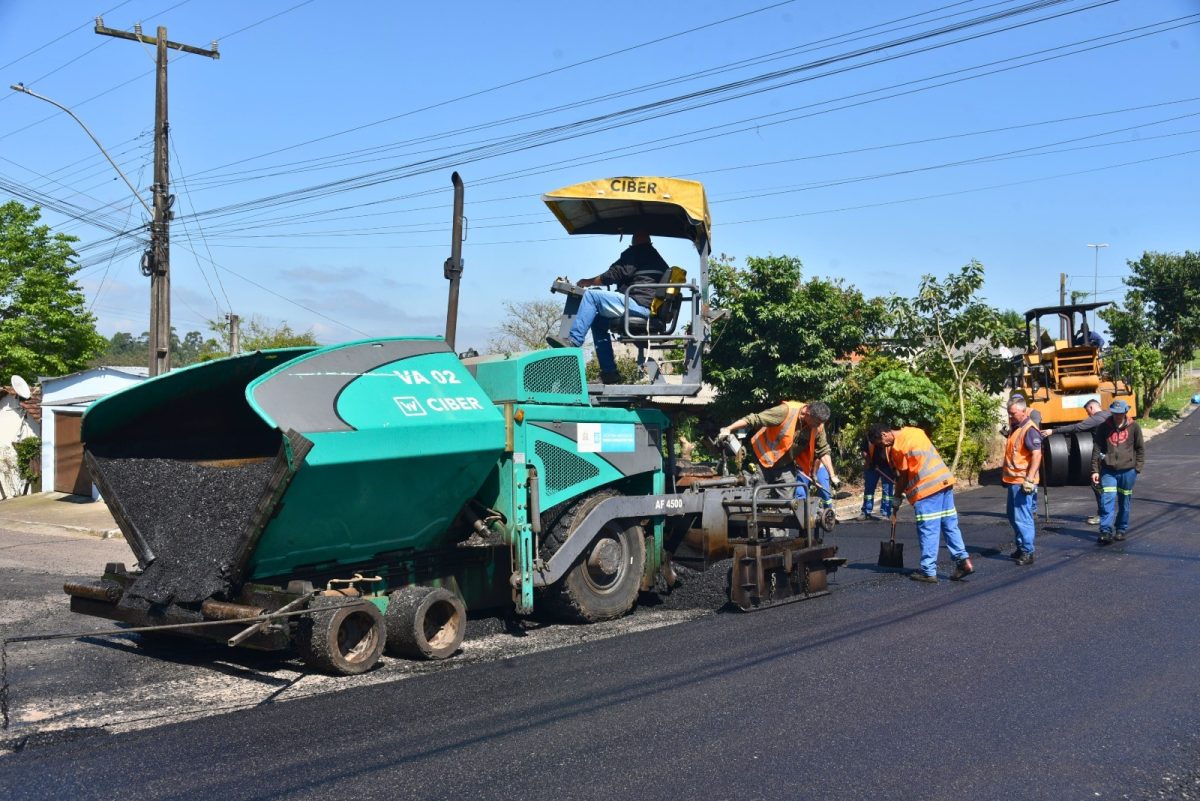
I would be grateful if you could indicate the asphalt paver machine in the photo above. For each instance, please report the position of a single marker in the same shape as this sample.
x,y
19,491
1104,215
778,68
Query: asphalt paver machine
x,y
349,500
1062,369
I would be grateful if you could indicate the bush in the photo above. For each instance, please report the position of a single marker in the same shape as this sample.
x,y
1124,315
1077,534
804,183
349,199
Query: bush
x,y
900,398
29,457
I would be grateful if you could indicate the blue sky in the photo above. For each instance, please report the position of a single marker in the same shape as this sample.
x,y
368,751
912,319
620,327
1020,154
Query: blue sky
x,y
311,163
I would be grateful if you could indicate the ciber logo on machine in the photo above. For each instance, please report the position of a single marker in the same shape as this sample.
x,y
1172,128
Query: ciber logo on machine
x,y
410,406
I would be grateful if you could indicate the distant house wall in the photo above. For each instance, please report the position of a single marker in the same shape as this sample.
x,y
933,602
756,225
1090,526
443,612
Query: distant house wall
x,y
15,425
71,395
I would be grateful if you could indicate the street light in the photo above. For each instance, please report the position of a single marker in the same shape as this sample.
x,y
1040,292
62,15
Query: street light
x,y
20,87
1096,273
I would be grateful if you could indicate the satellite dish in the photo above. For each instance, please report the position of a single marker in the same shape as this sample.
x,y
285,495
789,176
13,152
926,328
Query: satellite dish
x,y
21,386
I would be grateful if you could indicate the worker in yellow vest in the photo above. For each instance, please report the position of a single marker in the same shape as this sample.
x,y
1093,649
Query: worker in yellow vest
x,y
792,435
921,476
1022,463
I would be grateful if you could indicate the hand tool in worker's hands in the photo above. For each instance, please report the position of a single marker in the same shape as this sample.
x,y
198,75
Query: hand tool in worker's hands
x,y
891,553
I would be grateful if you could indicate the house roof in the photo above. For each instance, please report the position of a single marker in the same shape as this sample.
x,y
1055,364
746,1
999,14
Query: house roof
x,y
141,371
32,405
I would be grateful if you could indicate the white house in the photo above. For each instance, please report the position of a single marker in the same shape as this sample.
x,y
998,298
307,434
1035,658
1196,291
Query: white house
x,y
16,423
64,400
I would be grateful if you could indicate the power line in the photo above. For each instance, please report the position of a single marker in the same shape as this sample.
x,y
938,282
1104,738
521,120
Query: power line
x,y
754,123
543,137
57,39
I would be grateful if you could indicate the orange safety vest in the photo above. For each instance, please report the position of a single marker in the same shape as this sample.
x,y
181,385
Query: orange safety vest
x,y
1016,455
920,471
805,460
772,443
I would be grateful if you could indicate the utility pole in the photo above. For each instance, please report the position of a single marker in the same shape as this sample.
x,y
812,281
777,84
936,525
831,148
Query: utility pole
x,y
1096,273
1062,301
235,334
158,261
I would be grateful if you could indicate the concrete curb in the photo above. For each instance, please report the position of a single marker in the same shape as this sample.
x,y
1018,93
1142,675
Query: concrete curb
x,y
40,526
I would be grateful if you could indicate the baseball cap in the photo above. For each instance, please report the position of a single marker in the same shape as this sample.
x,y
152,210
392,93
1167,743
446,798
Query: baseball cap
x,y
1118,407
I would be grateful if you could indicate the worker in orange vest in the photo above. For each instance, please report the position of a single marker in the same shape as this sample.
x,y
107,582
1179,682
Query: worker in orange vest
x,y
1022,463
921,476
792,435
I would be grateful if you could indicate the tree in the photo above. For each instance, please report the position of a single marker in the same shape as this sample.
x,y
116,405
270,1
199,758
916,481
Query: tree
x,y
900,398
526,325
124,349
783,337
259,334
45,327
1161,312
950,332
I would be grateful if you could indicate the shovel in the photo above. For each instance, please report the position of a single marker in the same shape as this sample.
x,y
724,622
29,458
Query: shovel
x,y
891,553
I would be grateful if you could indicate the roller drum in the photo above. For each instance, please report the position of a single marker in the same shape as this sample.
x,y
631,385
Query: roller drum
x,y
1056,460
1081,459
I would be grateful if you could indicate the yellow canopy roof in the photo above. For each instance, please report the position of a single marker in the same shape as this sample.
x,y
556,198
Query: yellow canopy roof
x,y
672,207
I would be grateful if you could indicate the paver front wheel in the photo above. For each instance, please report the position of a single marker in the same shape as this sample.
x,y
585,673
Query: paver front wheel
x,y
343,637
604,582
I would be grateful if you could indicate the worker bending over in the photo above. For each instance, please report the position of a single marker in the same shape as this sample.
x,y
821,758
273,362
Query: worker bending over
x,y
1096,417
921,476
790,436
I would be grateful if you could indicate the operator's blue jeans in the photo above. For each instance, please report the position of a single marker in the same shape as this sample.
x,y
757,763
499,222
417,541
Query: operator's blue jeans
x,y
1116,497
870,479
1022,507
822,487
937,519
597,308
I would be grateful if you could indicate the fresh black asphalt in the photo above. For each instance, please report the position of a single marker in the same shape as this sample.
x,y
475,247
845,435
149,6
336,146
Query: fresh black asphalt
x,y
1075,678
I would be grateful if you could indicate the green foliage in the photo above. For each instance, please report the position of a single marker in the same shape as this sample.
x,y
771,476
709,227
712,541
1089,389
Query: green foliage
x,y
29,457
950,334
525,326
982,419
45,327
124,349
1141,366
258,333
1161,311
784,337
900,398
847,402
626,366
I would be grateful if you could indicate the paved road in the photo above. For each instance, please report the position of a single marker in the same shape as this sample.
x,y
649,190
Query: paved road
x,y
1074,678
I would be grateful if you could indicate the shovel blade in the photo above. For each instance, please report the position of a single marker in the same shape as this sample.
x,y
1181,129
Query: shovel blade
x,y
891,554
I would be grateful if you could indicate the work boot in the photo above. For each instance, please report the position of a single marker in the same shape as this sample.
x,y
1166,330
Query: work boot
x,y
1094,520
962,569
1119,536
555,342
866,516
917,575
1104,539
1017,555
610,377
1025,559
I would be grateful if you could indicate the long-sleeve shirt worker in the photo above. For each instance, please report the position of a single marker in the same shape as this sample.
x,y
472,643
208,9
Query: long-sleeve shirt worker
x,y
1118,448
638,264
776,415
1090,424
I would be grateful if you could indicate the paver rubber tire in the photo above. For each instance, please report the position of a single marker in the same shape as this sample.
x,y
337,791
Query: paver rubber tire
x,y
343,637
604,582
425,623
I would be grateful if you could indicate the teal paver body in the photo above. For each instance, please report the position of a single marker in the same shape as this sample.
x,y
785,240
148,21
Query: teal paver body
x,y
404,436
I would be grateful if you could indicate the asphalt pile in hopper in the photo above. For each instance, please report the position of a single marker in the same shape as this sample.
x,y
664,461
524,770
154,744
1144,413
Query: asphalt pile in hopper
x,y
193,516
